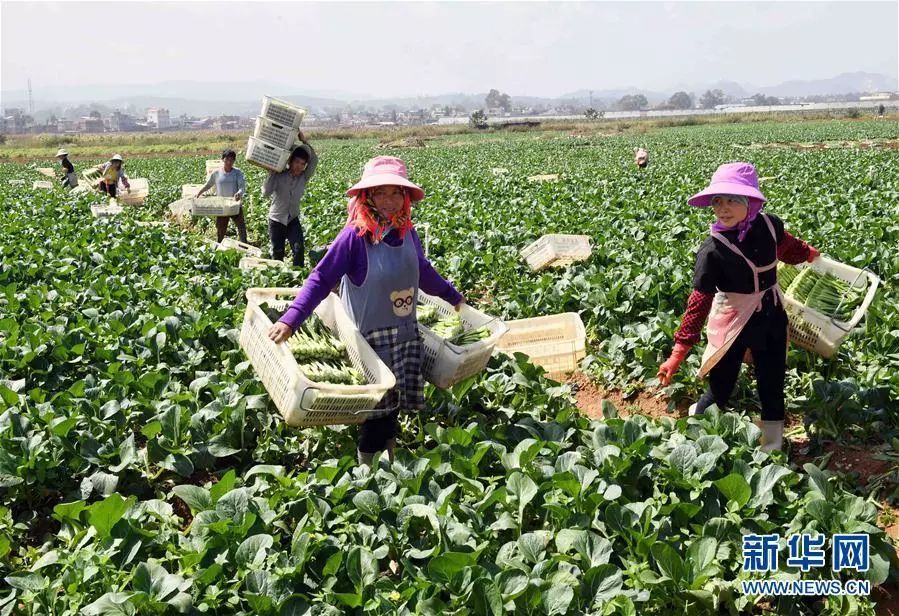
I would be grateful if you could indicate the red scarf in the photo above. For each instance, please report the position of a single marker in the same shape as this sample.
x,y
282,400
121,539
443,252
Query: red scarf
x,y
362,215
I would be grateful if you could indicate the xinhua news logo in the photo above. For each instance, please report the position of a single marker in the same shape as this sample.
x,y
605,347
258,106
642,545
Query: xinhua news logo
x,y
849,552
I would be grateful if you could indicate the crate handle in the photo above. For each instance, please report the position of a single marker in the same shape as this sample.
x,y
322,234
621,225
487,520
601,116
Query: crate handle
x,y
359,412
863,309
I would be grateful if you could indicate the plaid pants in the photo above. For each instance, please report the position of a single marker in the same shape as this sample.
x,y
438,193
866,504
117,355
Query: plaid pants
x,y
405,360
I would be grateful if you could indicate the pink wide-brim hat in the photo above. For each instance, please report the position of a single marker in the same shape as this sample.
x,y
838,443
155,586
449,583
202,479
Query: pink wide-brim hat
x,y
730,179
386,171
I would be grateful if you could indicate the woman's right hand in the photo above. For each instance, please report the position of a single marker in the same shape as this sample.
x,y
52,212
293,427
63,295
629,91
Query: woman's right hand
x,y
279,332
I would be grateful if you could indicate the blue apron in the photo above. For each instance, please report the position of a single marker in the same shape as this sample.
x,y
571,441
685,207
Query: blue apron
x,y
383,308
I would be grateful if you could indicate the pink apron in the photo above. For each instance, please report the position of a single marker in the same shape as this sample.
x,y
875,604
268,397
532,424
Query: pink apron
x,y
732,311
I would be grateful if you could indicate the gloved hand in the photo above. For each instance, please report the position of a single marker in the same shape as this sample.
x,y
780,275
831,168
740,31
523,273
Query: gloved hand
x,y
668,369
813,254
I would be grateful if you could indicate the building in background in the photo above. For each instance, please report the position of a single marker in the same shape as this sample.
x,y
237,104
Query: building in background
x,y
158,118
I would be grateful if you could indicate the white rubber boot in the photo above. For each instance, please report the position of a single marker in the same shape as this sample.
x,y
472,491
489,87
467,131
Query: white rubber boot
x,y
692,410
365,458
772,435
391,447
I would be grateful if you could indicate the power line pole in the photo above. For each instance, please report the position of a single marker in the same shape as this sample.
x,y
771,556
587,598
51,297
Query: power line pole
x,y
591,98
30,98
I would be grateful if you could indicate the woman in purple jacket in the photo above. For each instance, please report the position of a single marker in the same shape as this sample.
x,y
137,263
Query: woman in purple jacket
x,y
378,261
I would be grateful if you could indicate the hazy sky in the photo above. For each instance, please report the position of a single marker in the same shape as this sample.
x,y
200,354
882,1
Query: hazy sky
x,y
394,49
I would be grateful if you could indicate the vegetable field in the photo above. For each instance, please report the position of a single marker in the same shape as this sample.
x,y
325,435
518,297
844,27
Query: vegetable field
x,y
144,470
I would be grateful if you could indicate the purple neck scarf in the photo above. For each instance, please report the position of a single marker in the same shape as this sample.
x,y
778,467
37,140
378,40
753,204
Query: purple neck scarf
x,y
754,207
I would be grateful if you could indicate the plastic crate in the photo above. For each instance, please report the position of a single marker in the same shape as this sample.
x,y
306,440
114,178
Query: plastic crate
x,y
303,402
267,156
213,165
445,363
556,250
92,176
556,342
191,190
250,263
820,333
17,182
47,171
548,177
213,206
279,135
151,223
282,112
105,211
42,185
137,193
231,244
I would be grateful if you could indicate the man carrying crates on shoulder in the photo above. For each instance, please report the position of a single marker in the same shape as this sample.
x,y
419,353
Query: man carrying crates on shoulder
x,y
287,189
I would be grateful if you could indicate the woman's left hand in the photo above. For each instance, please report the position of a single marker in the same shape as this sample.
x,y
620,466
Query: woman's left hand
x,y
458,306
813,253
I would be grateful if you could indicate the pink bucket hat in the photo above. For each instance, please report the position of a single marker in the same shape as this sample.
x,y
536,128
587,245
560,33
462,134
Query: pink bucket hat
x,y
386,171
730,179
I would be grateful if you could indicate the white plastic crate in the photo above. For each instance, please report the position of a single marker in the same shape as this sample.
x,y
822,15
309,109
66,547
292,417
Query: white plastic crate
x,y
213,206
46,171
303,402
279,135
92,176
555,250
547,177
557,342
151,223
232,244
250,263
42,185
137,193
445,363
282,112
266,156
191,190
104,211
817,332
213,165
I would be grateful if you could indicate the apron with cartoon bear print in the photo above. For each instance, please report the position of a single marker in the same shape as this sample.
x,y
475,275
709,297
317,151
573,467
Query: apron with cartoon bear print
x,y
383,308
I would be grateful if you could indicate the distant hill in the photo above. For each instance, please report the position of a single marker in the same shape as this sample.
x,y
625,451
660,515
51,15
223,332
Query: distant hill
x,y
242,98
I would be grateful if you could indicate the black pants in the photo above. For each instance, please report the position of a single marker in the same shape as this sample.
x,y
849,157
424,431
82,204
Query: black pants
x,y
109,189
768,342
374,433
221,226
292,232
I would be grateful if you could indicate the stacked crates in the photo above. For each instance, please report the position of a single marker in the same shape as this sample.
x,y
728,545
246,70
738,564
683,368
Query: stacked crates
x,y
275,135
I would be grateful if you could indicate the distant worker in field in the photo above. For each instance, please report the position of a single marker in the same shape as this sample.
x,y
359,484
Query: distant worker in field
x,y
880,110
287,189
736,281
111,173
641,157
70,178
229,181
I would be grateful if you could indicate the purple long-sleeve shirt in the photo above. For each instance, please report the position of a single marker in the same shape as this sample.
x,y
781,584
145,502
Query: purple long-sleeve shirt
x,y
347,257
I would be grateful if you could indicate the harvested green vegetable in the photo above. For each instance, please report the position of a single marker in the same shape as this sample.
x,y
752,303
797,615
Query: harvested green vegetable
x,y
427,314
826,293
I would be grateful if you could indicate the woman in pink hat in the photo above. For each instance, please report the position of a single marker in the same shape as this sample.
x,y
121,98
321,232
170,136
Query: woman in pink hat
x,y
378,261
735,287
